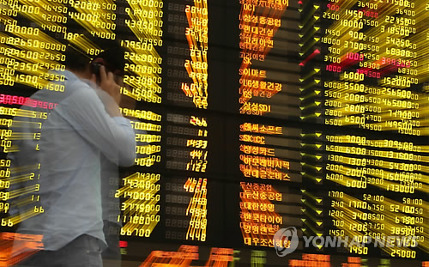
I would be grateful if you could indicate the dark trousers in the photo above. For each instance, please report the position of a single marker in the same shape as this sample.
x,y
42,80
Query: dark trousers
x,y
112,254
83,251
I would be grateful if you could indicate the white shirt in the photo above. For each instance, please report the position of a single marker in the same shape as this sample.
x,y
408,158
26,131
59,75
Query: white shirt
x,y
73,138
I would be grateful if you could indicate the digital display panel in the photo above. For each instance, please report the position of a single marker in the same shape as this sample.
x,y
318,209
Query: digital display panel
x,y
365,61
252,118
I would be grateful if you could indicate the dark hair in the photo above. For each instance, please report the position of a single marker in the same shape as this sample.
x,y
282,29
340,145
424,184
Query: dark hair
x,y
112,55
76,59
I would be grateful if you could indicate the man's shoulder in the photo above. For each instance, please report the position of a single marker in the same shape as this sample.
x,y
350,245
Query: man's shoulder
x,y
82,91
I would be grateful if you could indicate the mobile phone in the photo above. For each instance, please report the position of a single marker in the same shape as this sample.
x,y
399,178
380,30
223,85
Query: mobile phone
x,y
95,68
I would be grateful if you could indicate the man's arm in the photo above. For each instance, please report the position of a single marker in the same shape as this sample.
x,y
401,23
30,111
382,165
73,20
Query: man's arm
x,y
88,115
108,85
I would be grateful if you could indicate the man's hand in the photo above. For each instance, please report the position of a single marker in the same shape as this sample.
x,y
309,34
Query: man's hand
x,y
107,83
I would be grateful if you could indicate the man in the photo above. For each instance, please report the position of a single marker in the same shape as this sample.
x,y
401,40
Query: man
x,y
84,130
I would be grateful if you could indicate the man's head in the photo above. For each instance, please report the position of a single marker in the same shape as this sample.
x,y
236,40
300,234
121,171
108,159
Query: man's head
x,y
110,55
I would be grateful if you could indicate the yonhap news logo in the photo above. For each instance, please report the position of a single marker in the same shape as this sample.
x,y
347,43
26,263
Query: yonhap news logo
x,y
286,241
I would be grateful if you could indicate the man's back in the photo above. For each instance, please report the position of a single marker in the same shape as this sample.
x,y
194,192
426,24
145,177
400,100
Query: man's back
x,y
72,139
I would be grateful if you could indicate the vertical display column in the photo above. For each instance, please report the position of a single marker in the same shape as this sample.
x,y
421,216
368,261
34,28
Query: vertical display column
x,y
197,68
362,70
187,134
142,32
269,157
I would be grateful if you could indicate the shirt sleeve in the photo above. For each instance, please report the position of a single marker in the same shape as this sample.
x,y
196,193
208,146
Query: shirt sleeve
x,y
113,136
